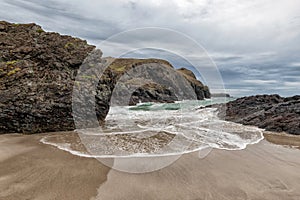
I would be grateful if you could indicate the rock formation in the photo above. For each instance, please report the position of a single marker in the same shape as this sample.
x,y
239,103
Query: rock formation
x,y
155,80
201,90
271,112
38,72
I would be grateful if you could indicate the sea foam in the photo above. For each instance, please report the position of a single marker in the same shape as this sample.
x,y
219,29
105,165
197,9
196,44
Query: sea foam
x,y
152,130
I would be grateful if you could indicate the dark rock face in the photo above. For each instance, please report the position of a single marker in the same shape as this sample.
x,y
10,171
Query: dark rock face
x,y
152,92
37,72
153,80
131,81
220,95
201,90
271,112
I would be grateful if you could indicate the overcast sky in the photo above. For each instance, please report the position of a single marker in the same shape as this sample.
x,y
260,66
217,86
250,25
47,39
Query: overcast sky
x,y
255,44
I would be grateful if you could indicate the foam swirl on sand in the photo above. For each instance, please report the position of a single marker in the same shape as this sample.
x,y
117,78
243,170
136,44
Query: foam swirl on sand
x,y
149,129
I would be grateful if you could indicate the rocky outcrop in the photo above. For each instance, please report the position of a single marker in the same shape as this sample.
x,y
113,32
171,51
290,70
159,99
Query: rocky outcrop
x,y
38,73
271,112
132,83
153,80
201,90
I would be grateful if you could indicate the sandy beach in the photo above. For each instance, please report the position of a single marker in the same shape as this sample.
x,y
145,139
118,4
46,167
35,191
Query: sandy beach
x,y
32,170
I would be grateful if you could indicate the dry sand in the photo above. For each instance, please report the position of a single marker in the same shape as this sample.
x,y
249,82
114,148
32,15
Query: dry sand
x,y
31,170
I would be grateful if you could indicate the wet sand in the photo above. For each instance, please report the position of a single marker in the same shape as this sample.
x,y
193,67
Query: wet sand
x,y
31,170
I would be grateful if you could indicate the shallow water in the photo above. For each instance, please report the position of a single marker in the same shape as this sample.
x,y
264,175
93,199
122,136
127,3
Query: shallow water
x,y
152,129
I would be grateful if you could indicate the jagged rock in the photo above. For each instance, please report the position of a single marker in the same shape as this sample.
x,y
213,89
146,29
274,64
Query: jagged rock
x,y
271,112
37,72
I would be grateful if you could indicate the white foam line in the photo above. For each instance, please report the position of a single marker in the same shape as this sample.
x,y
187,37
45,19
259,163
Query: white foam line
x,y
141,155
109,134
136,155
122,133
77,153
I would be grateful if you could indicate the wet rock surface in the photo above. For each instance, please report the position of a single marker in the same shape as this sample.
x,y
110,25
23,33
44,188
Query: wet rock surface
x,y
271,112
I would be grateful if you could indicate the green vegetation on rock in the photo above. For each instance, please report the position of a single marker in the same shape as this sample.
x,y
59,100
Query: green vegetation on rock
x,y
40,31
12,62
13,71
93,77
117,68
69,45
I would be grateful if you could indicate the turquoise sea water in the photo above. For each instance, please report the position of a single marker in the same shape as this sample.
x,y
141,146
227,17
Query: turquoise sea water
x,y
179,105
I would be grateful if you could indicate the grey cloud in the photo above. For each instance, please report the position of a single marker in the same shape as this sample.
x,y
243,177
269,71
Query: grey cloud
x,y
56,16
247,42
